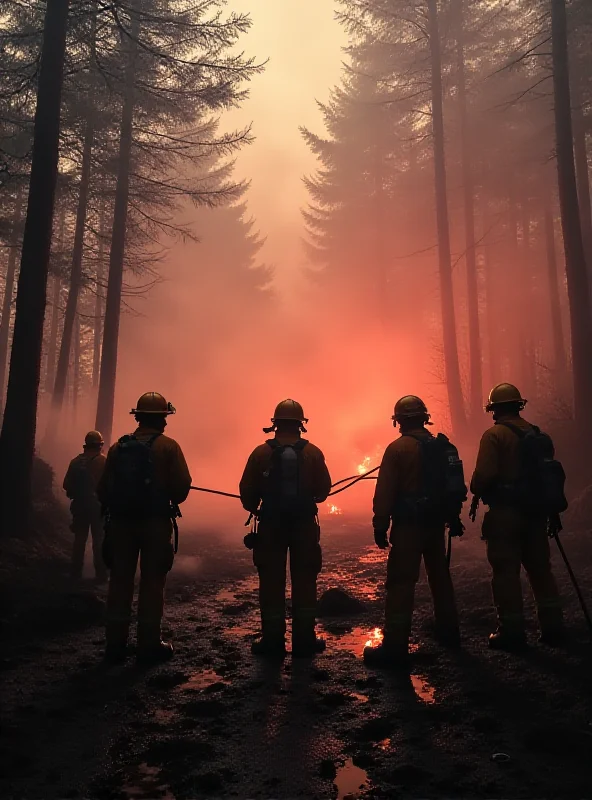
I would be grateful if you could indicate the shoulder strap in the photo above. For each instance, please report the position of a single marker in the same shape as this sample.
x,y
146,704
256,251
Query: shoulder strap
x,y
275,445
420,439
514,428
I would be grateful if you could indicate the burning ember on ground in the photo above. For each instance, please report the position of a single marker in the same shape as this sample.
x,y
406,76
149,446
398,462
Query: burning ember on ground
x,y
333,509
375,637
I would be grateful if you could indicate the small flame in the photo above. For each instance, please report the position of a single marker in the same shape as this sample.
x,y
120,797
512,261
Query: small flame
x,y
375,637
333,509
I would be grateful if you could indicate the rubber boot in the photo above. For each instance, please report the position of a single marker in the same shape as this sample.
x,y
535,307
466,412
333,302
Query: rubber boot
x,y
155,654
553,637
448,637
309,647
115,653
269,647
504,640
116,646
552,627
387,655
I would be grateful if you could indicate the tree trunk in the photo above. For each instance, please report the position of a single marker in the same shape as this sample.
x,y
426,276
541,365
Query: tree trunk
x,y
75,273
77,250
575,259
106,399
494,329
52,346
17,440
98,327
453,382
15,235
583,180
76,381
526,297
380,273
475,356
560,361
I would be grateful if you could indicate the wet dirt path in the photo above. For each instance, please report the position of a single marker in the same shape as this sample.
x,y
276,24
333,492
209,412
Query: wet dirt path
x,y
215,722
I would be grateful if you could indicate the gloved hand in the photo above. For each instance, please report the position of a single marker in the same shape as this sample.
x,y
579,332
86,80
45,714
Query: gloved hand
x,y
107,552
381,539
249,540
555,525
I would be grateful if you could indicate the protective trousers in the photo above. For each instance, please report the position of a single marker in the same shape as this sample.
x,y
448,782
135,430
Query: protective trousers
x,y
515,539
84,519
410,543
150,539
274,540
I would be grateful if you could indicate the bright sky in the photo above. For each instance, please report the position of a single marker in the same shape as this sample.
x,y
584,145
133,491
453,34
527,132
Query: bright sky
x,y
303,43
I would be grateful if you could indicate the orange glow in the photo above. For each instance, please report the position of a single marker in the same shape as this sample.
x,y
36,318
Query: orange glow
x,y
365,465
333,509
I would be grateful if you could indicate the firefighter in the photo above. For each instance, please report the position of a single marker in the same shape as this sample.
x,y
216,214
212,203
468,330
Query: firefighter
x,y
145,476
282,482
80,484
414,535
513,537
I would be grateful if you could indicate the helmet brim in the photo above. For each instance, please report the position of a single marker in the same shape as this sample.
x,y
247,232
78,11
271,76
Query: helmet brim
x,y
492,406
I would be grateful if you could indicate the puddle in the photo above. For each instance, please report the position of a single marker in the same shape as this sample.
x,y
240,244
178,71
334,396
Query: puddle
x,y
201,680
361,697
424,690
146,783
350,780
355,640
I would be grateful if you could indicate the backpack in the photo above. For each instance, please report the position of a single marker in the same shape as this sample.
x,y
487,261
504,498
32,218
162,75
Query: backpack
x,y
443,490
282,495
540,487
81,485
132,490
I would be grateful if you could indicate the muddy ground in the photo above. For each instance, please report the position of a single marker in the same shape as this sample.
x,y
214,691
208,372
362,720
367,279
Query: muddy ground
x,y
215,722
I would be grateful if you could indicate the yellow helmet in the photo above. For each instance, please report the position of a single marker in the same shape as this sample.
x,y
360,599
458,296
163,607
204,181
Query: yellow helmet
x,y
504,393
410,406
289,409
93,439
153,403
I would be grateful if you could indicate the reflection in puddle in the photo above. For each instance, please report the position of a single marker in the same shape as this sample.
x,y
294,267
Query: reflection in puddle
x,y
201,680
350,780
361,697
145,783
424,690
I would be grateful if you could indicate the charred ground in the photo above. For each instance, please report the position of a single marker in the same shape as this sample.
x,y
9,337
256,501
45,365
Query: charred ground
x,y
215,722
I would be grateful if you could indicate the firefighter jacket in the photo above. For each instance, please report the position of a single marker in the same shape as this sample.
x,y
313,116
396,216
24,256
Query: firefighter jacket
x,y
399,475
498,460
93,463
314,477
171,473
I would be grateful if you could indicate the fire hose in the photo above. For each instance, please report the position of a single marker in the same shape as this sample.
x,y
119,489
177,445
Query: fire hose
x,y
353,479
